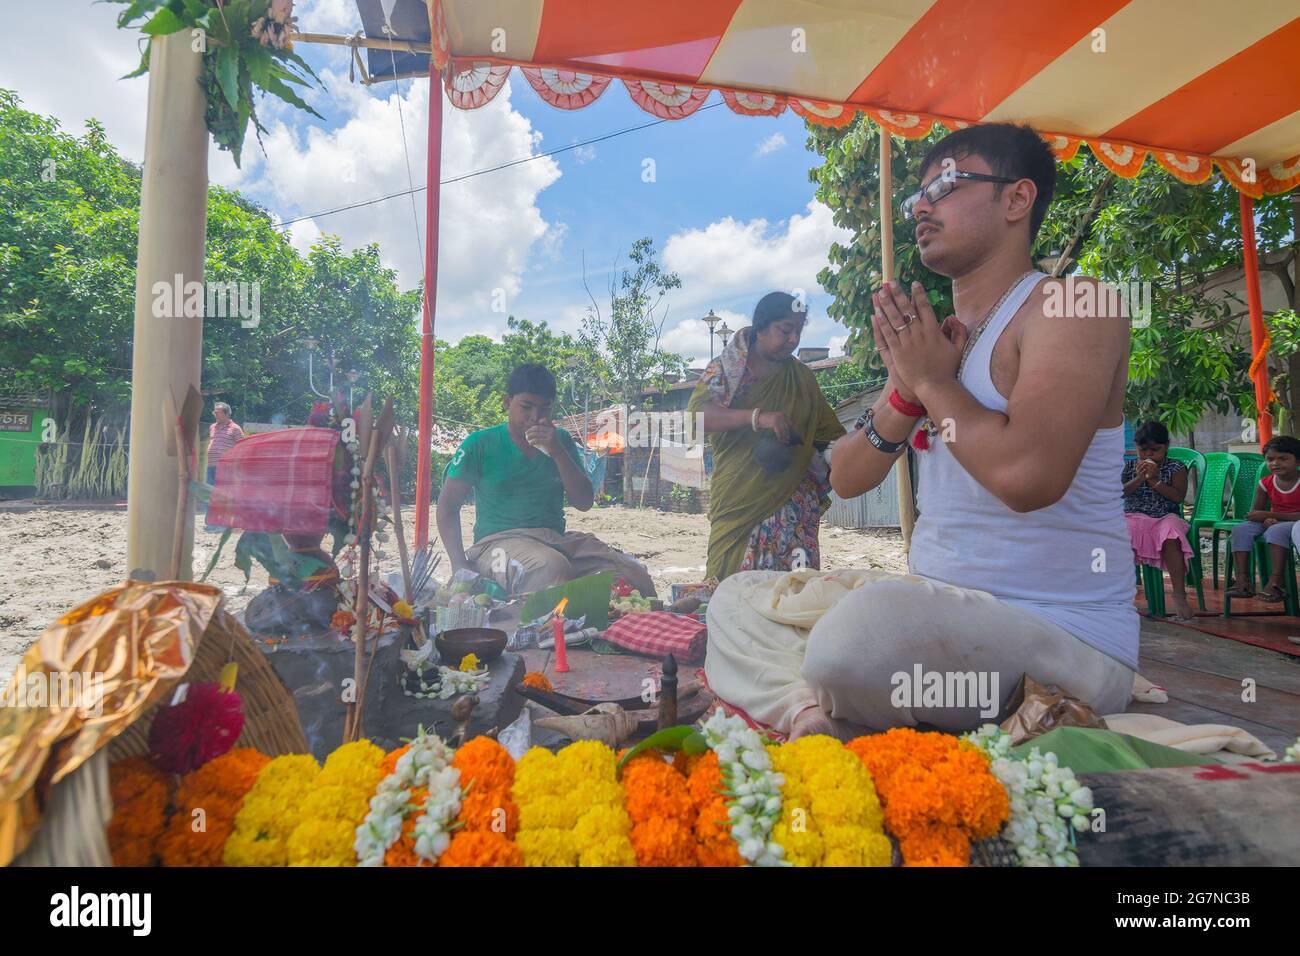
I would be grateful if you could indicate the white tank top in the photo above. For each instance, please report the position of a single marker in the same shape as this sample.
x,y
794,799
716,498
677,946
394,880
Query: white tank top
x,y
1070,562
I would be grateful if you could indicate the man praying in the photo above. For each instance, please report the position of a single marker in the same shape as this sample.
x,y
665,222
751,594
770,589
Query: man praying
x,y
1020,561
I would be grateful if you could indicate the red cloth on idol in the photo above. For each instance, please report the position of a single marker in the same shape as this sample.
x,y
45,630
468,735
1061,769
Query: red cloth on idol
x,y
277,482
660,633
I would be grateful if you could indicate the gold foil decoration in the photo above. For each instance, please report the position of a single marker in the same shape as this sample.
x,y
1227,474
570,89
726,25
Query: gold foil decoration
x,y
85,680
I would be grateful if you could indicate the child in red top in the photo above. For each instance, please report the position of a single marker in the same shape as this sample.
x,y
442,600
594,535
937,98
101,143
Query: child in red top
x,y
1274,514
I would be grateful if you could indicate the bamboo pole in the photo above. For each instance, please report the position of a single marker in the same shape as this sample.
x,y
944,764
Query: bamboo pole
x,y
167,352
428,320
370,43
902,469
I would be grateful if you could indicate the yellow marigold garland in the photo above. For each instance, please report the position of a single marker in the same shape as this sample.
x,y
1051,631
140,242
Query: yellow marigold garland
x,y
338,802
830,814
556,793
269,813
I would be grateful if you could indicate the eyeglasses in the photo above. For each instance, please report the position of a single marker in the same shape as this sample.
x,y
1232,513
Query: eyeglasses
x,y
942,185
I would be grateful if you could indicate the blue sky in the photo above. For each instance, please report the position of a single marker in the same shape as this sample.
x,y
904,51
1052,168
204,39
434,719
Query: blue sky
x,y
731,208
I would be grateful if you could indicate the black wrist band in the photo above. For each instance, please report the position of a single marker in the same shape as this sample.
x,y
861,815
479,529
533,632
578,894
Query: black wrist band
x,y
879,441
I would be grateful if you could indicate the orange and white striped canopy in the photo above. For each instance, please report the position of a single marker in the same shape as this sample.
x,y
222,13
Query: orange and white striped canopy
x,y
1190,83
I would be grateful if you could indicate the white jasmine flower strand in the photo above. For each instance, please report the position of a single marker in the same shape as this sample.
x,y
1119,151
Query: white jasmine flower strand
x,y
421,766
1046,800
753,788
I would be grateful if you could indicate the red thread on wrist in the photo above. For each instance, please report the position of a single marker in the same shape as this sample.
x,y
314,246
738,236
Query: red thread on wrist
x,y
900,404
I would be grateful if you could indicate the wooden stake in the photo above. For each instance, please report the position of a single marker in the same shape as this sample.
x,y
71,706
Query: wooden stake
x,y
372,437
391,459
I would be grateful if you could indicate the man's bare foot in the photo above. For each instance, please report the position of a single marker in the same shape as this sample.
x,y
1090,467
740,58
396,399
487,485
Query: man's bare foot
x,y
811,721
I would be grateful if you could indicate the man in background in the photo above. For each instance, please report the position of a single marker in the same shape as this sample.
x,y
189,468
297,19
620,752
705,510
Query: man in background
x,y
222,434
521,472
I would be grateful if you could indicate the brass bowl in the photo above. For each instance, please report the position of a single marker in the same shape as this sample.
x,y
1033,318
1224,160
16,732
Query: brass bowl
x,y
485,643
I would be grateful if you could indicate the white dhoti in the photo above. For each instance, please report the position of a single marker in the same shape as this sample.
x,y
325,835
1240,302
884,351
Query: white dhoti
x,y
782,642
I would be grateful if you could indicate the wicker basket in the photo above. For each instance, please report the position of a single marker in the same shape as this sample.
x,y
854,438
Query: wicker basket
x,y
271,722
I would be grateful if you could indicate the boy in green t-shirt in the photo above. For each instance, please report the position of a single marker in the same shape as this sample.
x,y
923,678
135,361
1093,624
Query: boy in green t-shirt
x,y
521,472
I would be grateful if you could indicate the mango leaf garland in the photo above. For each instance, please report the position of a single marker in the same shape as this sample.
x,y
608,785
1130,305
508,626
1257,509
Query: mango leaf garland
x,y
245,45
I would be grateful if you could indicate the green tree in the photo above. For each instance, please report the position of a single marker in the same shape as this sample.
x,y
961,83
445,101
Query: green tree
x,y
68,237
620,345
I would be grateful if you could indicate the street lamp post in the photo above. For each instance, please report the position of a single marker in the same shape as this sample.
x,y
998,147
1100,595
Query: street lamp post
x,y
724,333
711,320
311,344
352,376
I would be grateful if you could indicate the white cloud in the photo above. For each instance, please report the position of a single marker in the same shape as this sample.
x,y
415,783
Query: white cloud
x,y
770,145
489,223
328,16
690,337
65,58
729,259
584,154
734,264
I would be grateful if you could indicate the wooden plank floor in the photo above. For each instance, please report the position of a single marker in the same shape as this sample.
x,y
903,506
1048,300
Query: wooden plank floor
x,y
1204,673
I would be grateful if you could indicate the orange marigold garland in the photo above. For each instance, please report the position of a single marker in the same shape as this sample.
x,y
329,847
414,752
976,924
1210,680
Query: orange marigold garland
x,y
938,793
663,814
140,793
216,789
715,845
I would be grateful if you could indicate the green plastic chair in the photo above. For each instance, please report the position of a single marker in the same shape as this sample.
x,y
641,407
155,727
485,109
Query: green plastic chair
x,y
1195,463
1251,470
1153,588
1220,474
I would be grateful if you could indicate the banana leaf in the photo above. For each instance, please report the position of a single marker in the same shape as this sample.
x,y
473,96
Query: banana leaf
x,y
587,595
1089,750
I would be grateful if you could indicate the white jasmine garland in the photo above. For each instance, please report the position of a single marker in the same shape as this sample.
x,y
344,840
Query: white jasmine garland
x,y
1292,753
1046,800
441,807
753,788
420,766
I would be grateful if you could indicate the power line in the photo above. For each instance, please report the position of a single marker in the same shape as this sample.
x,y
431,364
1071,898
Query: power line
x,y
480,172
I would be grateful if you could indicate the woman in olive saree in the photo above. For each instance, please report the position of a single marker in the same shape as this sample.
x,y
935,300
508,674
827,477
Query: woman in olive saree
x,y
767,419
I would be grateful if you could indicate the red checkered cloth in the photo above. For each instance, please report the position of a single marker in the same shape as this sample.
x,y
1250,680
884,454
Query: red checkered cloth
x,y
276,481
660,633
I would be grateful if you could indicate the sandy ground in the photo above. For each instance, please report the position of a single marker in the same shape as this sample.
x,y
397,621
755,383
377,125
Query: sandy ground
x,y
54,559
